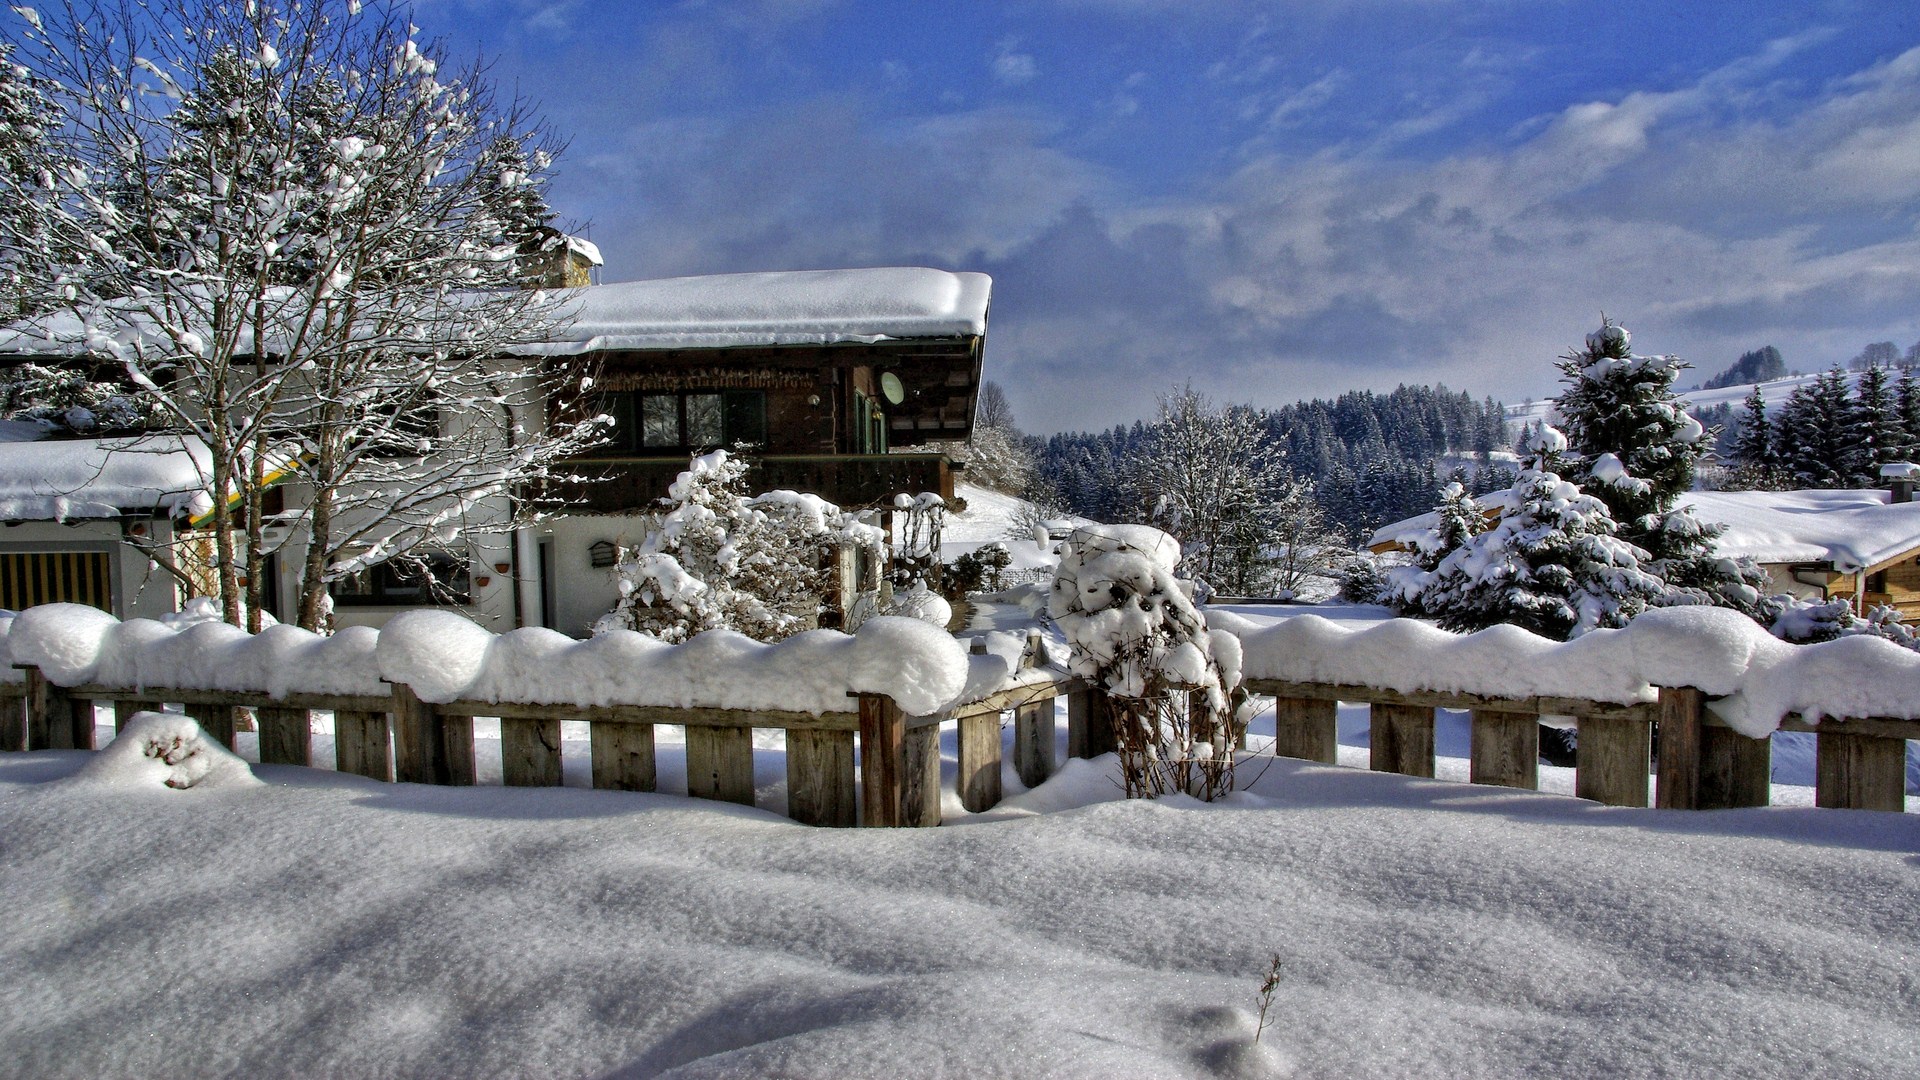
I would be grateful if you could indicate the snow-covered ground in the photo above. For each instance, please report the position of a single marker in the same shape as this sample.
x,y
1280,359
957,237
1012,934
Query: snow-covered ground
x,y
321,924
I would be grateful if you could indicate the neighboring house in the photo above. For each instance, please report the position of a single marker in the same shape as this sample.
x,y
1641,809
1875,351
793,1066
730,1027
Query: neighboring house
x,y
81,514
819,373
1861,545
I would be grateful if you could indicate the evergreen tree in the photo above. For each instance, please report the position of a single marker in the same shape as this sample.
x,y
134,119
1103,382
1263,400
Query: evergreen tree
x,y
1420,588
1876,437
1641,449
1906,405
1813,441
1754,462
1552,562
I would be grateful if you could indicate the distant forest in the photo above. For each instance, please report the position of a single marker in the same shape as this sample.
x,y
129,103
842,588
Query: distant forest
x,y
1371,458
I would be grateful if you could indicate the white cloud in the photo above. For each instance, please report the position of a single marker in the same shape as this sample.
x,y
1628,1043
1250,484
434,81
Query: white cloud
x,y
1011,67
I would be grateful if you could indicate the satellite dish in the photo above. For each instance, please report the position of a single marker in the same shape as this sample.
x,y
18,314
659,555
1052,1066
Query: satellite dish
x,y
891,389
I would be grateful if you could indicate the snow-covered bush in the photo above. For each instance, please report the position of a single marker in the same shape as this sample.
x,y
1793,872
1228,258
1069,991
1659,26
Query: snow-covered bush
x,y
979,570
715,558
1170,680
69,400
1806,621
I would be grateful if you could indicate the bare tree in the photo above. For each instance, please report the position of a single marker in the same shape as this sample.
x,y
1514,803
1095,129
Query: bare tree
x,y
994,411
290,216
1208,473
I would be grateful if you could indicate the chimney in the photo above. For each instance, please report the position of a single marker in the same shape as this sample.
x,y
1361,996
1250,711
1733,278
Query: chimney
x,y
1900,477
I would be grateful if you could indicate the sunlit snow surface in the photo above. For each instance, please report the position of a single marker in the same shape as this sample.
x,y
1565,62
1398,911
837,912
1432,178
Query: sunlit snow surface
x,y
327,925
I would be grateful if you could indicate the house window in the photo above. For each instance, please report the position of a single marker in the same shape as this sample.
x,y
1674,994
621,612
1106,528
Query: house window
x,y
408,581
687,421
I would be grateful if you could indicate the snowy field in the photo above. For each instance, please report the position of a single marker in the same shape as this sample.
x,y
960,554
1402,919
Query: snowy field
x,y
320,924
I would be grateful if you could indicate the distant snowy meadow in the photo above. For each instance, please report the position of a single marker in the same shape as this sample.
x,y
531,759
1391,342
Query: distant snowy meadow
x,y
325,924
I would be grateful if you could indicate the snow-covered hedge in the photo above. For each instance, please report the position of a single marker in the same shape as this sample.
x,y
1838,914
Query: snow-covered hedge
x,y
1719,651
444,657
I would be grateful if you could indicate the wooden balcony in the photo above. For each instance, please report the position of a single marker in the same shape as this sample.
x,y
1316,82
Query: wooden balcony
x,y
629,484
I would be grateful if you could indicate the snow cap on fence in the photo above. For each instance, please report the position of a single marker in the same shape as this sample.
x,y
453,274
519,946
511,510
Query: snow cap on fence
x,y
1707,648
1715,650
63,640
75,644
917,664
439,654
443,657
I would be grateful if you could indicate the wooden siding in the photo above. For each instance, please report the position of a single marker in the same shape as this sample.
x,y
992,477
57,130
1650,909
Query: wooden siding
x,y
634,484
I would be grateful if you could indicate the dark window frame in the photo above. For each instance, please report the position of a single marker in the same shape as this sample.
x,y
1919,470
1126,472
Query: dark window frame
x,y
742,419
395,583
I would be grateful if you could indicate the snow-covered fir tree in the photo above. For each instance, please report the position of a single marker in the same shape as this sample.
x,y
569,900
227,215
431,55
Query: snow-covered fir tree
x,y
1814,435
1754,465
1421,588
1876,434
1906,406
1640,450
1552,561
715,558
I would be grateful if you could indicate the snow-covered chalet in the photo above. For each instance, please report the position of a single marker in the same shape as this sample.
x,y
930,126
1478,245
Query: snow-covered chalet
x,y
824,373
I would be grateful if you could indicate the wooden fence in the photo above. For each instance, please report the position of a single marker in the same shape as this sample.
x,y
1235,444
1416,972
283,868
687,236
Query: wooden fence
x,y
1702,764
400,737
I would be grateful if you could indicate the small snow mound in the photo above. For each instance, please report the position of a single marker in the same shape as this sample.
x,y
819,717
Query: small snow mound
x,y
917,665
63,640
439,654
923,604
156,751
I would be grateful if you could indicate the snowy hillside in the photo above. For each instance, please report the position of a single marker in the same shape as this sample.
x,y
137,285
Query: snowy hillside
x,y
991,517
1773,392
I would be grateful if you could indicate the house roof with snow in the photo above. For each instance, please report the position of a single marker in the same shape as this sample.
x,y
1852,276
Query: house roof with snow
x,y
68,479
800,307
1851,530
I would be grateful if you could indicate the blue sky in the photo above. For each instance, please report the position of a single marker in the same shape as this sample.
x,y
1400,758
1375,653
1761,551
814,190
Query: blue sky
x,y
1271,201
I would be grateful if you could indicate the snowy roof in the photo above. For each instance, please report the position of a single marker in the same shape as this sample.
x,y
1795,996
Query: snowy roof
x,y
60,479
586,249
798,307
1851,529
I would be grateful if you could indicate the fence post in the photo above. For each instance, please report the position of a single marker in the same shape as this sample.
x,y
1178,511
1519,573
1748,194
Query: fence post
x,y
126,708
623,756
428,747
883,730
1400,739
360,744
1033,741
980,758
13,723
820,776
720,763
1504,749
55,720
529,752
920,773
1682,740
1089,726
1859,772
1306,728
1612,759
286,735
